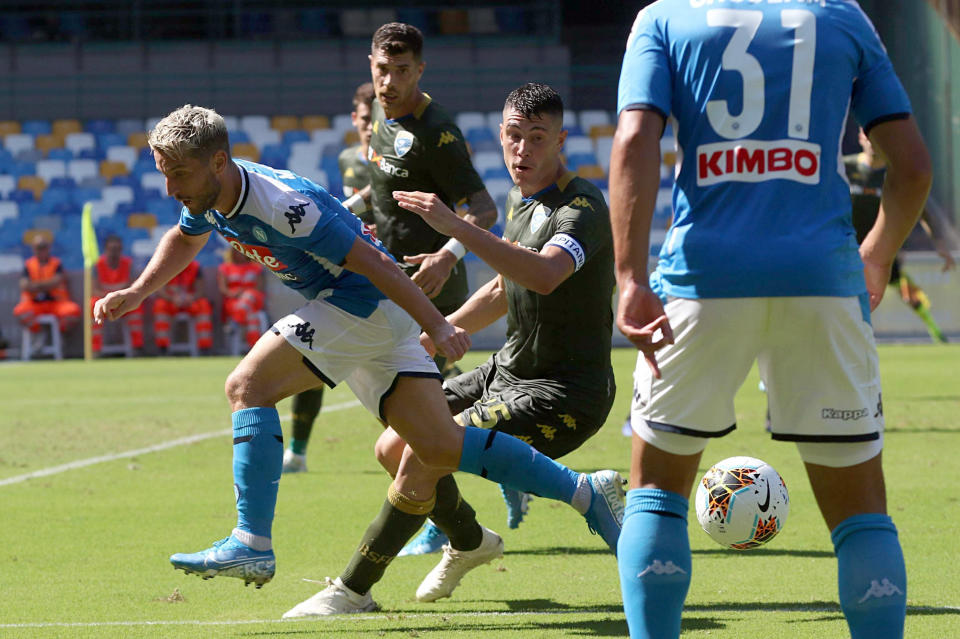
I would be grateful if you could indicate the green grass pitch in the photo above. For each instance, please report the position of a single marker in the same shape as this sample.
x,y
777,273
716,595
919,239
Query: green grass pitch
x,y
83,551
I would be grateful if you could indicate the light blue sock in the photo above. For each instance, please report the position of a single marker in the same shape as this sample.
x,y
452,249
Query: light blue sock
x,y
654,559
871,575
257,463
515,464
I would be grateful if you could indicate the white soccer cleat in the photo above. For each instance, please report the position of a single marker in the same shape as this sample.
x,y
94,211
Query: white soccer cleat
x,y
446,575
294,463
335,599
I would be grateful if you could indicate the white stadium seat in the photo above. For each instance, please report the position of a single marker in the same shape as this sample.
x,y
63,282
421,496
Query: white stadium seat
x,y
593,117
9,211
49,169
487,160
578,144
154,180
7,184
80,170
78,142
117,194
467,120
125,154
17,142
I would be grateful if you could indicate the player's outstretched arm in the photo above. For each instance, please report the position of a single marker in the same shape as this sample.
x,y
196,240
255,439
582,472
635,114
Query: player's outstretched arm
x,y
435,268
485,306
634,181
905,190
539,272
175,251
450,341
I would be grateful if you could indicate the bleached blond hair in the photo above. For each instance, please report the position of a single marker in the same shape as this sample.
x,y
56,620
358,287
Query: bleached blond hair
x,y
190,131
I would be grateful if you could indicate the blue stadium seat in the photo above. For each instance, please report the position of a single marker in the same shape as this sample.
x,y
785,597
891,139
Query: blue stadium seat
x,y
143,166
91,154
99,126
60,154
238,136
275,155
53,196
112,224
493,173
127,180
21,196
151,194
62,183
66,209
576,160
420,18
82,195
6,160
294,135
165,208
36,127
124,209
22,168
145,154
321,22
108,139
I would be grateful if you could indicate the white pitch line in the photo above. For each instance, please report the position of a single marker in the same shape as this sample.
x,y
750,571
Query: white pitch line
x,y
390,616
173,443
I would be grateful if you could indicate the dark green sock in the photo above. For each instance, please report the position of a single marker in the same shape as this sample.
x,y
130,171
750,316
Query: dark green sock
x,y
306,406
455,517
380,544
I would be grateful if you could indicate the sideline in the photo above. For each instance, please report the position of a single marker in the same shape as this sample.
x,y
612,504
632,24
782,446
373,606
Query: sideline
x,y
173,443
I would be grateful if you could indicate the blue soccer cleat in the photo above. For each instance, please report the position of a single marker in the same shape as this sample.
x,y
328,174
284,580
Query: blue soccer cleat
x,y
430,540
229,557
605,515
518,504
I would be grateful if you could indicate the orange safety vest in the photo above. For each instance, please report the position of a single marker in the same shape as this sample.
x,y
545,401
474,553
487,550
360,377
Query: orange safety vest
x,y
38,272
113,276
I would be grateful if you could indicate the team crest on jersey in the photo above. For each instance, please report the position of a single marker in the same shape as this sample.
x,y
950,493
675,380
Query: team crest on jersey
x,y
260,234
403,143
540,215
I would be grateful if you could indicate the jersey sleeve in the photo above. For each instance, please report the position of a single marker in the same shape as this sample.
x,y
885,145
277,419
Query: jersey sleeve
x,y
193,224
878,95
645,73
450,164
315,222
580,231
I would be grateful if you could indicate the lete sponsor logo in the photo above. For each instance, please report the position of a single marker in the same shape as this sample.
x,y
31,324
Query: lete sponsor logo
x,y
263,255
758,161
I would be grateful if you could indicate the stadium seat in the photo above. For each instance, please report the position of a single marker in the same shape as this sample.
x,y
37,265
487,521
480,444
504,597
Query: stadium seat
x,y
570,119
284,123
154,180
54,196
151,123
482,20
602,131
254,123
494,118
128,126
107,140
576,160
246,151
467,120
351,138
90,153
36,127
49,169
9,211
46,142
295,135
114,195
54,348
453,22
99,126
263,138
7,184
83,195
60,153
498,187
319,22
17,142
19,169
142,221
232,123
11,263
341,123
80,142
10,126
33,183
238,136
591,172
312,122
22,195
593,117
487,159
577,144
512,20
420,18
65,127
81,169
495,173
481,139
110,169
138,141
275,155
603,149
327,138
127,155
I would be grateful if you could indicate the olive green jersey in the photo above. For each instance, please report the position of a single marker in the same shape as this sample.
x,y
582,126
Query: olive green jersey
x,y
354,169
866,187
563,338
422,151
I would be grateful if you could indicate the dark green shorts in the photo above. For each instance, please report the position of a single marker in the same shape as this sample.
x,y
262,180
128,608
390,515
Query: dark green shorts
x,y
543,417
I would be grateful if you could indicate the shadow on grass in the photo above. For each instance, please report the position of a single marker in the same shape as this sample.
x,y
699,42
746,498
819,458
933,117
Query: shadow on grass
x,y
765,552
553,551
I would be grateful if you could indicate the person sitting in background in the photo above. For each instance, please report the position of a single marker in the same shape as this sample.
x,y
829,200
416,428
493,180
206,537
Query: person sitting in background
x,y
114,271
180,295
43,289
240,281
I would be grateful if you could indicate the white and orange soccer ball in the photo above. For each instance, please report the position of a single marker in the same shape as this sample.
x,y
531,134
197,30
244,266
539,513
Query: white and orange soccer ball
x,y
742,502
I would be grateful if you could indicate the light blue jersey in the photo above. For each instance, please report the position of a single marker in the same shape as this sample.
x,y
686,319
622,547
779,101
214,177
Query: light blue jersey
x,y
298,231
760,91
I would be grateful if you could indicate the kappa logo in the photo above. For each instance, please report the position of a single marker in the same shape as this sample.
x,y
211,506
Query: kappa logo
x,y
843,414
295,215
403,143
305,333
446,138
877,590
659,568
582,203
209,217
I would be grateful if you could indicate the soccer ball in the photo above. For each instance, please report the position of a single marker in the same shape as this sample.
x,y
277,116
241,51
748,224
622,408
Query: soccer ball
x,y
742,502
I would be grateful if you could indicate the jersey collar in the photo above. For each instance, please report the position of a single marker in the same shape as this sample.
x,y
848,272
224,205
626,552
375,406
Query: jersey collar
x,y
560,184
417,112
244,191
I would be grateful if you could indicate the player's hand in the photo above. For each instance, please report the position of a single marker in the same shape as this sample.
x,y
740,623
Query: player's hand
x,y
877,277
640,316
431,208
434,270
450,341
427,344
115,305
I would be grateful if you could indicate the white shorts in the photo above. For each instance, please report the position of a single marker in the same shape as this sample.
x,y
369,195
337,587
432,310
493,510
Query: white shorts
x,y
817,359
368,353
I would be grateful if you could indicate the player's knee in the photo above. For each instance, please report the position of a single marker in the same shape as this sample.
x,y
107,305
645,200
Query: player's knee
x,y
389,451
240,390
